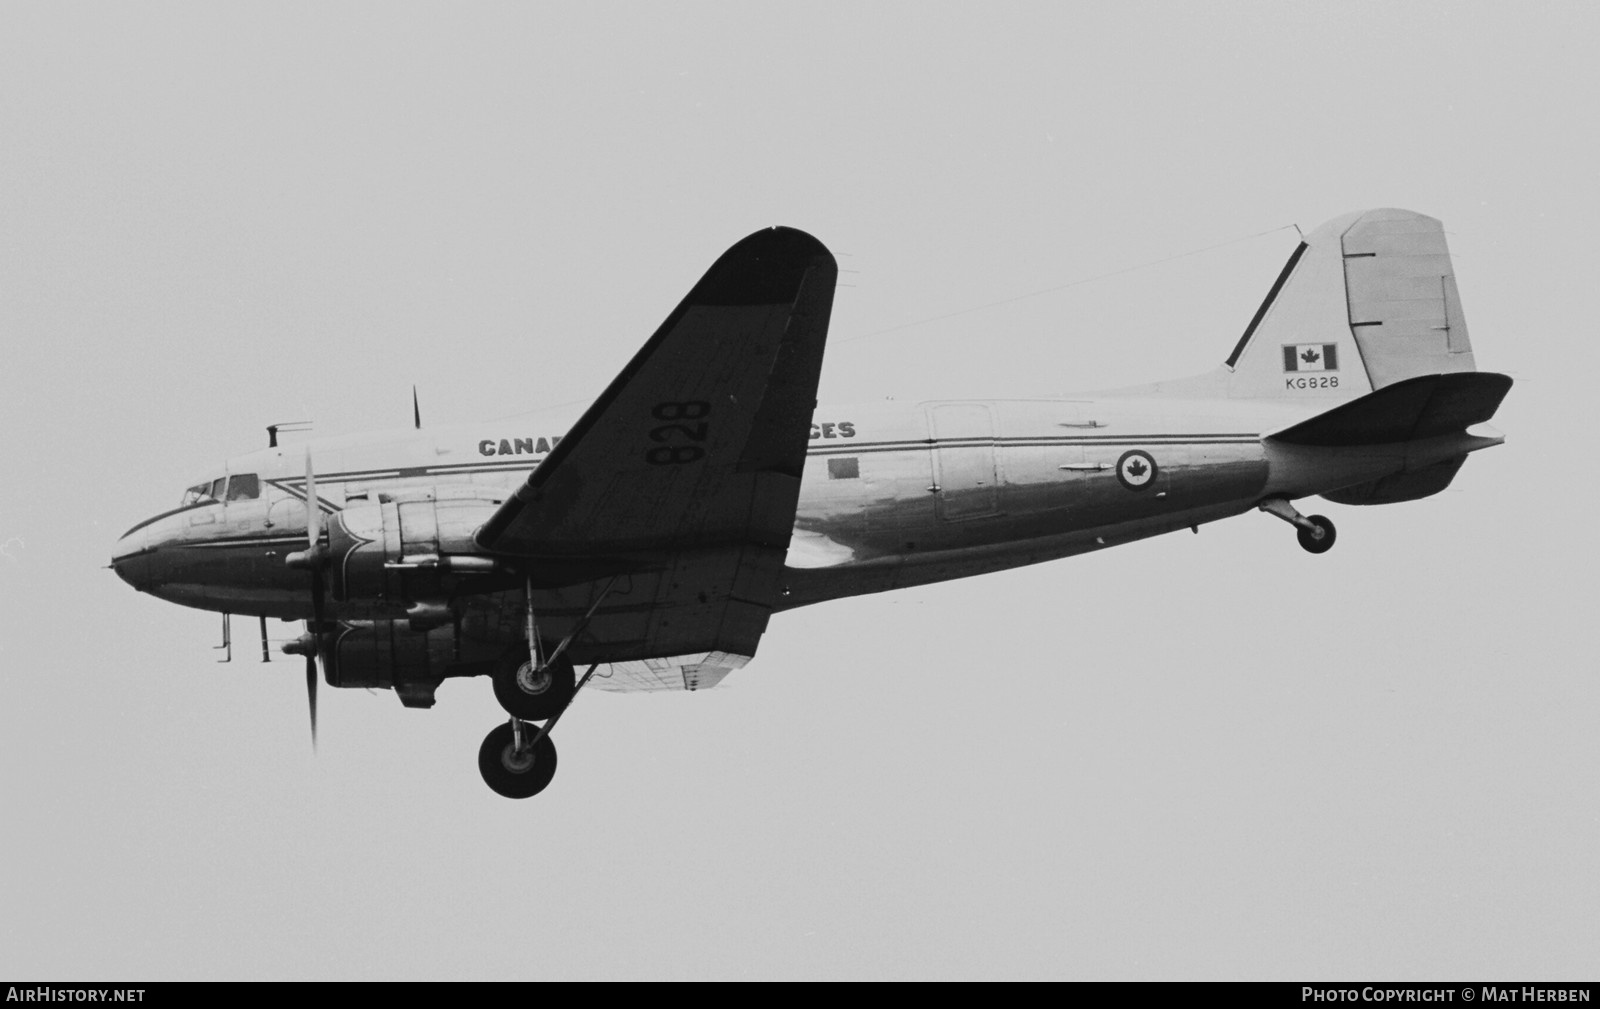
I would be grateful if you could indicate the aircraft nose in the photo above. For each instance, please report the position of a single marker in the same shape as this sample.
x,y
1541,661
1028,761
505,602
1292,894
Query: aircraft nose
x,y
130,558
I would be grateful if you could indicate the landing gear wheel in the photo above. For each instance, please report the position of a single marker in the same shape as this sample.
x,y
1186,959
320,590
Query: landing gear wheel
x,y
516,775
1318,540
529,694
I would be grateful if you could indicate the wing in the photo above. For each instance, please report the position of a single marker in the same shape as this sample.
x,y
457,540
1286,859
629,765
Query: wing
x,y
688,466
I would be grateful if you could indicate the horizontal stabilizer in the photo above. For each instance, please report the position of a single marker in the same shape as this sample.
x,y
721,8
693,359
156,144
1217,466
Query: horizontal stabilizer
x,y
1423,407
1397,487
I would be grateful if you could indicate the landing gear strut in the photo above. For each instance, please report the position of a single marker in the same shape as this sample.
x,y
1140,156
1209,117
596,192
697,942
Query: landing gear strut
x,y
518,759
1315,532
534,684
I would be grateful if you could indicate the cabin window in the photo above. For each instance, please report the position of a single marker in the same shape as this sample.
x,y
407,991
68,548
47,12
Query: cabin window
x,y
844,469
244,487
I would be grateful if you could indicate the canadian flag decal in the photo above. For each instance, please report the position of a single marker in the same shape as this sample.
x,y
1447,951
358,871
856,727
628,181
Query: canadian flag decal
x,y
1311,357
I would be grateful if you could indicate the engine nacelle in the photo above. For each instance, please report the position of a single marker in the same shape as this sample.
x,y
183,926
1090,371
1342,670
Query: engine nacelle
x,y
386,653
410,547
389,655
395,655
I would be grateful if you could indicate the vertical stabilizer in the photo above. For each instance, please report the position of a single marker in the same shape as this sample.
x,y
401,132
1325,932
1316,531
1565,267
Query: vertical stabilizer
x,y
1367,300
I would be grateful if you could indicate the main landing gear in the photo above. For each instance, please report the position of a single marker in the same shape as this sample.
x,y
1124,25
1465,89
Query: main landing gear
x,y
1315,532
518,759
531,690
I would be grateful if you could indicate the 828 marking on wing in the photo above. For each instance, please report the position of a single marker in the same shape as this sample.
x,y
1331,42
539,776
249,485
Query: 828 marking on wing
x,y
677,437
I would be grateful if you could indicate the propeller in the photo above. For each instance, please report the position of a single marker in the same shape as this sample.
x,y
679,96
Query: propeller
x,y
311,691
312,559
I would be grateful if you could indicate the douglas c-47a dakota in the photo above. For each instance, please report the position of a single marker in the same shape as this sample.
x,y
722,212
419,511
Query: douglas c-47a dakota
x,y
705,489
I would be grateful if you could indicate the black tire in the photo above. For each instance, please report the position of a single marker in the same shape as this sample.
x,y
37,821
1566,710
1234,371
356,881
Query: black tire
x,y
1311,541
529,697
509,775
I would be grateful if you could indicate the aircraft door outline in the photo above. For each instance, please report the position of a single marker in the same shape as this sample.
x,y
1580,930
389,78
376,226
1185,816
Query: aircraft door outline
x,y
965,471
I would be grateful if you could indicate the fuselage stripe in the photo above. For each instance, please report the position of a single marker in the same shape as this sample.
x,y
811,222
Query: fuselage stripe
x,y
296,486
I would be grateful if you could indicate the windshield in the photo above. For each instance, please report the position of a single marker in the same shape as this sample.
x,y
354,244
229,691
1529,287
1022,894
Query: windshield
x,y
200,493
241,487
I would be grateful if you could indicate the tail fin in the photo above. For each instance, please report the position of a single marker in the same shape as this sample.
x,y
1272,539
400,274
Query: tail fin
x,y
1367,300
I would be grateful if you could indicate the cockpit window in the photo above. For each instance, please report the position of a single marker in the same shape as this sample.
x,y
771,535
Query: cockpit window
x,y
244,487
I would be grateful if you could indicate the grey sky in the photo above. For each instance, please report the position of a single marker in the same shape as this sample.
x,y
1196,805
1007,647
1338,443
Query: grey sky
x,y
1207,756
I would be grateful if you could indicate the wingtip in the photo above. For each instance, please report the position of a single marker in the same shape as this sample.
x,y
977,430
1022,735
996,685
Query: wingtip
x,y
764,268
780,238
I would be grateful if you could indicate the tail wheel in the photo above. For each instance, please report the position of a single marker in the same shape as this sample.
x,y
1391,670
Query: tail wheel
x,y
1317,539
514,773
531,694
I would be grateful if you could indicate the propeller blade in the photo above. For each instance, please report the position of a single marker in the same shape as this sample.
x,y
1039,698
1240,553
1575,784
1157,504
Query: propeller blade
x,y
313,509
311,694
314,543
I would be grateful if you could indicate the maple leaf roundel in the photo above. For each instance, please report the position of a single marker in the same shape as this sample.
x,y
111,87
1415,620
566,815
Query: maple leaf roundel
x,y
1136,469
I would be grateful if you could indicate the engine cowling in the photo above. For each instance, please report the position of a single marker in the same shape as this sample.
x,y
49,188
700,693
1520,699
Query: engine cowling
x,y
391,655
411,547
396,655
386,653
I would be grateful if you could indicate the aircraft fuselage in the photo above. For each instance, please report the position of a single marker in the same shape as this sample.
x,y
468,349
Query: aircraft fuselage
x,y
893,494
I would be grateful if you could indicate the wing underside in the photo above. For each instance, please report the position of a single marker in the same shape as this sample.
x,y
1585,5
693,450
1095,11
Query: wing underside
x,y
684,474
